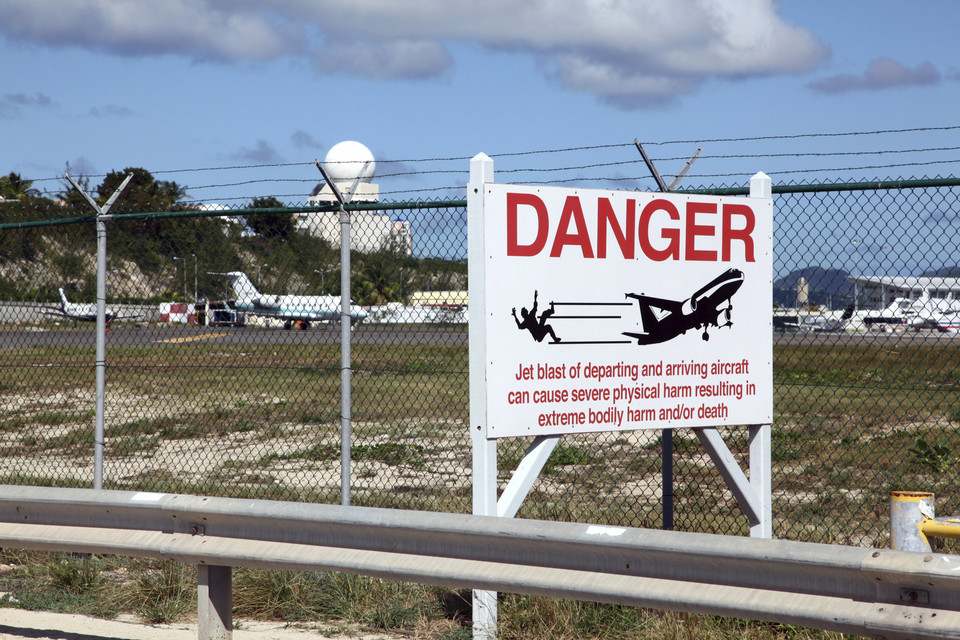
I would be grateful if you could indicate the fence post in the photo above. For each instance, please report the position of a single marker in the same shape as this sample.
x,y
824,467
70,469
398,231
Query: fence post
x,y
346,329
666,477
907,511
101,349
484,450
761,455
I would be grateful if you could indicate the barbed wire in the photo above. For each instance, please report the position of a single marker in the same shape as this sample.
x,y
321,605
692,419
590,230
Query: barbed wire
x,y
813,135
582,167
410,168
641,178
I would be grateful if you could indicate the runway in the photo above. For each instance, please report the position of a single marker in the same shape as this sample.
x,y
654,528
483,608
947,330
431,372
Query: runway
x,y
186,336
923,337
372,334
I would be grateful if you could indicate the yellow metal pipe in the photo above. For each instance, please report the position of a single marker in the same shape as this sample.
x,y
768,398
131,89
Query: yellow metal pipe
x,y
941,528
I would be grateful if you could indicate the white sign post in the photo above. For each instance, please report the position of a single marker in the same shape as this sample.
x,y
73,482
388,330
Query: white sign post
x,y
594,310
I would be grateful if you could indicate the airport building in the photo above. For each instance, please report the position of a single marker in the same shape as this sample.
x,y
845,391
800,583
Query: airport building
x,y
878,292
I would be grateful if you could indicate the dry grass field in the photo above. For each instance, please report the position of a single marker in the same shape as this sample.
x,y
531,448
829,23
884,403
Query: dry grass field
x,y
852,423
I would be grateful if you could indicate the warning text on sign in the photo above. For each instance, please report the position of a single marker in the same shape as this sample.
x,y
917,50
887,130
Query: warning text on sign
x,y
623,395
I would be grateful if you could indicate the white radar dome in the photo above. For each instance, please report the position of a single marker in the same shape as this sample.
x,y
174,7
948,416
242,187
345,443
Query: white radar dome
x,y
344,162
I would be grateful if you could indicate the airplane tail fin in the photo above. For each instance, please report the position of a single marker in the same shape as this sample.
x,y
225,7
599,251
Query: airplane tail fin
x,y
242,286
647,318
63,300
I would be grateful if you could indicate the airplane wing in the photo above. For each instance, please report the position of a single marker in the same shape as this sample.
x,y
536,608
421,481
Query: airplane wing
x,y
267,302
87,317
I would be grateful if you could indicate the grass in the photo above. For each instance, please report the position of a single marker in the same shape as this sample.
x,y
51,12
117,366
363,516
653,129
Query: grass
x,y
535,617
156,591
162,594
852,423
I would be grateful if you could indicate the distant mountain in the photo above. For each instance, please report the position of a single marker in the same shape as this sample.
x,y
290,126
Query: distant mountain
x,y
826,287
943,272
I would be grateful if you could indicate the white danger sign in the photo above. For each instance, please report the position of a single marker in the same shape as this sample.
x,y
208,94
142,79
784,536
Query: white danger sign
x,y
625,310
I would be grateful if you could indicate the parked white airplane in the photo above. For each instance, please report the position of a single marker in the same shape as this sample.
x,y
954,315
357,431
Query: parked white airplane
x,y
903,311
290,309
828,323
924,312
82,312
939,314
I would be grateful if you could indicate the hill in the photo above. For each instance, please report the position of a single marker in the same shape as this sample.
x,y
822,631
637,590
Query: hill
x,y
826,287
943,272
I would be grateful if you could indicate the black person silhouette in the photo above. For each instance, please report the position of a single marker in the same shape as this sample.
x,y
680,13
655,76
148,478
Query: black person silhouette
x,y
538,328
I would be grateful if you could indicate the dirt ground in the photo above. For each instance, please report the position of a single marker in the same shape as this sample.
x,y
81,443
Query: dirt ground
x,y
18,624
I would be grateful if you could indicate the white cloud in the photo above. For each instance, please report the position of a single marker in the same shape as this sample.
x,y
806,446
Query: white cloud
x,y
80,166
384,60
263,153
881,73
304,140
11,104
626,51
623,50
195,29
36,100
110,110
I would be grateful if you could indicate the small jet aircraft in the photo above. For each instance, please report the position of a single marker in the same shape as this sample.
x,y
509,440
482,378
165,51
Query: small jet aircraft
x,y
82,312
902,311
291,309
942,315
827,324
662,320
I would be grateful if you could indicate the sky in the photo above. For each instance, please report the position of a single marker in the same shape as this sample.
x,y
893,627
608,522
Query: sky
x,y
236,98
100,85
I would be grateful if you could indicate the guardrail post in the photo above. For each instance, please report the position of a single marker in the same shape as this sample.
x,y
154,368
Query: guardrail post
x,y
214,602
907,512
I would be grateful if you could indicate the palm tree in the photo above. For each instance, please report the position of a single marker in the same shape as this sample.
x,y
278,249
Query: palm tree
x,y
13,187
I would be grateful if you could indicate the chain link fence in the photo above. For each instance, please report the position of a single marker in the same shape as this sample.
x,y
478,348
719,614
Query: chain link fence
x,y
222,362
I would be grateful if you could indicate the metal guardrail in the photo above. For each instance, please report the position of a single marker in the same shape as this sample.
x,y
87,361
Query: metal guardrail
x,y
872,592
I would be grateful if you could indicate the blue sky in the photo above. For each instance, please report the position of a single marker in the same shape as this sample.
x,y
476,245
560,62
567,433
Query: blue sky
x,y
188,84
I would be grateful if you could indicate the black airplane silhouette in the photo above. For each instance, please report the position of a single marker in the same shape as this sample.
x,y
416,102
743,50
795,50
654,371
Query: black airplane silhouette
x,y
702,310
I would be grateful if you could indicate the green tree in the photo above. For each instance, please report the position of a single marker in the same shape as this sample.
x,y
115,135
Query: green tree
x,y
270,225
74,202
13,187
20,202
143,193
149,241
383,276
153,241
